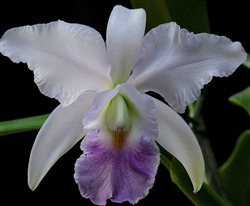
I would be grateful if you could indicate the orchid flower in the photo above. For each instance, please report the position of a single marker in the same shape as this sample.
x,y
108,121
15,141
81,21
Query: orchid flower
x,y
101,89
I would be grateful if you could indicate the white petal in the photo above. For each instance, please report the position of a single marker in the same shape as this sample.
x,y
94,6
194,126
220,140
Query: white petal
x,y
61,131
67,59
177,64
125,32
178,139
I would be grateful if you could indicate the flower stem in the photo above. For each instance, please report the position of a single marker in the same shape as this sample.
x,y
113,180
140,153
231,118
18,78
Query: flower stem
x,y
22,125
212,178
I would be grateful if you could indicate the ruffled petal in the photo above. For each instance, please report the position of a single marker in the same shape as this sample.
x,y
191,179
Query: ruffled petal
x,y
125,32
178,139
176,63
61,131
120,165
67,59
121,175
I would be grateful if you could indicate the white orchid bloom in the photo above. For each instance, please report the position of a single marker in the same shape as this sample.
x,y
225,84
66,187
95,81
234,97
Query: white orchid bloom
x,y
101,90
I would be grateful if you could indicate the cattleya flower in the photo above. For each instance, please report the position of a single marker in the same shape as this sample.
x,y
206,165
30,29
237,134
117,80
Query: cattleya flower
x,y
101,88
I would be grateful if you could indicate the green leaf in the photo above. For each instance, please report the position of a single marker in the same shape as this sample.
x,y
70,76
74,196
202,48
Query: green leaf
x,y
191,14
247,62
235,172
205,197
22,125
242,99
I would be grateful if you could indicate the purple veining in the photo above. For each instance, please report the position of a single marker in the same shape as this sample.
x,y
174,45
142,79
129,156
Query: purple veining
x,y
121,175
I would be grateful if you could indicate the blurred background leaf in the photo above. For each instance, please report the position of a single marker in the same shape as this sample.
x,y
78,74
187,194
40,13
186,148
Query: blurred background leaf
x,y
235,172
191,14
242,99
247,62
157,12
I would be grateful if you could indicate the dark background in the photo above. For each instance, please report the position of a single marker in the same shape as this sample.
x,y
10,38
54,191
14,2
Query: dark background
x,y
21,98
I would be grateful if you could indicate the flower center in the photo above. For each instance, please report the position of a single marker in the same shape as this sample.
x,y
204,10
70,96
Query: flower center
x,y
118,138
118,120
